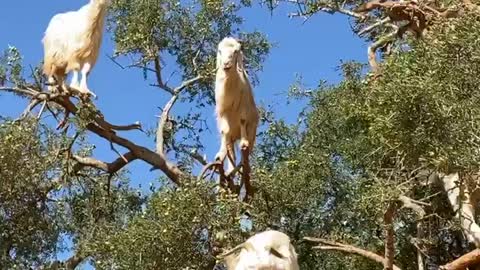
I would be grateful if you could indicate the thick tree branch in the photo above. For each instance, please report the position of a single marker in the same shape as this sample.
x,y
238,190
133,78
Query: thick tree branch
x,y
462,263
143,153
388,218
106,130
372,49
331,245
111,167
140,152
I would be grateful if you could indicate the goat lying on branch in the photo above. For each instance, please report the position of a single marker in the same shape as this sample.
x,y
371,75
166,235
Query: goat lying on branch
x,y
72,43
268,250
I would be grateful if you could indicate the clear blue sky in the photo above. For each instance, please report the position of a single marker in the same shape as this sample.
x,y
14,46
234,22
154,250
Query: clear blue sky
x,y
313,49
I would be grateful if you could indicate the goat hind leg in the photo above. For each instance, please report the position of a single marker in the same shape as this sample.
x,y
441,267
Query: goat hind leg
x,y
74,83
83,84
244,143
222,153
231,157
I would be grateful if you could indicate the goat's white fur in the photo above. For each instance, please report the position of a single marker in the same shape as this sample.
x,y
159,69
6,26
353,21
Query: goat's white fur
x,y
236,112
72,43
268,250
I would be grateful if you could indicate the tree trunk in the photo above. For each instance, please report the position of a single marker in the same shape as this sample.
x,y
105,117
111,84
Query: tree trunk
x,y
460,200
389,236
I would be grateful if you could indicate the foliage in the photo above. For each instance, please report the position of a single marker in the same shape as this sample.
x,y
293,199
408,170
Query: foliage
x,y
11,67
177,230
377,135
29,222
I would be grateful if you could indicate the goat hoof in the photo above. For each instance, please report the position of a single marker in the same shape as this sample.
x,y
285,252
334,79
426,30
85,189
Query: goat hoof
x,y
220,156
244,145
75,86
88,95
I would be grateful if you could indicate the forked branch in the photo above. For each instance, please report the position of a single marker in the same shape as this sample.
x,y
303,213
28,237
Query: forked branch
x,y
166,112
111,167
331,245
106,130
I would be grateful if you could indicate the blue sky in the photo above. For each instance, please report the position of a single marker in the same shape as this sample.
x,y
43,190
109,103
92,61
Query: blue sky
x,y
313,49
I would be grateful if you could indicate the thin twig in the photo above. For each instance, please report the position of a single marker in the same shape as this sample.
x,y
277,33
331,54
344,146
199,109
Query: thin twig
x,y
42,109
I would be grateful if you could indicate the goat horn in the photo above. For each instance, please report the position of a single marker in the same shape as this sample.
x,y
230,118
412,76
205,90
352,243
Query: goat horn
x,y
231,251
276,253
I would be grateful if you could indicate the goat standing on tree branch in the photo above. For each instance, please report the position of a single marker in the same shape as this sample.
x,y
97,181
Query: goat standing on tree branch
x,y
72,43
237,114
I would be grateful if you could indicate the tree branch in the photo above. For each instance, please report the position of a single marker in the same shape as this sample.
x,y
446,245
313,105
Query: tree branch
x,y
161,124
388,218
372,49
106,130
413,204
331,245
166,111
369,28
143,153
158,74
111,167
462,263
327,8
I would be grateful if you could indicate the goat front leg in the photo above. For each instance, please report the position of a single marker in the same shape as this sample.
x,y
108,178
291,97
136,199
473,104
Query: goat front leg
x,y
459,197
231,157
244,143
222,153
74,82
83,84
224,128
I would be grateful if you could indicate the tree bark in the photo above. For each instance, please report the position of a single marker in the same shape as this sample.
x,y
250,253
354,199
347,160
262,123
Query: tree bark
x,y
331,245
464,261
460,200
388,218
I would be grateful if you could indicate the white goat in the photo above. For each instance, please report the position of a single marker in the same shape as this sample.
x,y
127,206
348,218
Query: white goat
x,y
268,250
237,114
72,43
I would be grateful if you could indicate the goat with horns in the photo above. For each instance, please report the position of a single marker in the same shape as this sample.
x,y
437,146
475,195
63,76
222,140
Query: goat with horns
x,y
72,43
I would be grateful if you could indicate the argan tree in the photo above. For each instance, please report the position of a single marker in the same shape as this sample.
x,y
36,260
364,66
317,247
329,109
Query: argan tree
x,y
358,182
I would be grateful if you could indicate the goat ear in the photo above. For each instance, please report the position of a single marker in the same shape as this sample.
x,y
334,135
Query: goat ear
x,y
240,65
